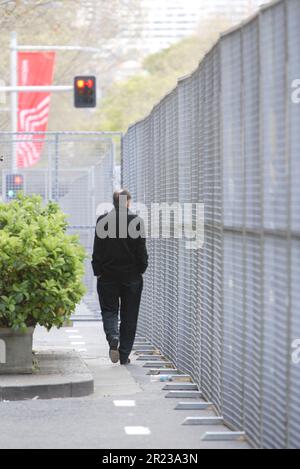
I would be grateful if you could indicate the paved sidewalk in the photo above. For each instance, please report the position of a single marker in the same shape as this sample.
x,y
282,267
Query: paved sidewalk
x,y
126,411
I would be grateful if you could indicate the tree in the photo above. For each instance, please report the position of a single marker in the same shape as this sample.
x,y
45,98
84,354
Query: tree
x,y
129,101
41,266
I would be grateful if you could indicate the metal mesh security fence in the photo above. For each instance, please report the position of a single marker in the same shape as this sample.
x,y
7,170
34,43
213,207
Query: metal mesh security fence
x,y
228,313
75,170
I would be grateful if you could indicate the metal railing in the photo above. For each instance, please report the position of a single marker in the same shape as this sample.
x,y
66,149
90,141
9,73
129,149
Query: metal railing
x,y
228,136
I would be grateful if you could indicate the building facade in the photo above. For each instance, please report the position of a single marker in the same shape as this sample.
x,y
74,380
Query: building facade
x,y
168,21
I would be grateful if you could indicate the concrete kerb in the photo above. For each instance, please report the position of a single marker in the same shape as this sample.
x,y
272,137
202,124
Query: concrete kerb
x,y
58,375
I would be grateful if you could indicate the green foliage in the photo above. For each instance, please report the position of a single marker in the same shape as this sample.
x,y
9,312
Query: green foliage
x,y
41,267
131,100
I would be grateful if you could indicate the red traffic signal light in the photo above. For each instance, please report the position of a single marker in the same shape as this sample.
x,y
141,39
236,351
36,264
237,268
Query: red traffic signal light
x,y
18,180
80,83
14,185
85,91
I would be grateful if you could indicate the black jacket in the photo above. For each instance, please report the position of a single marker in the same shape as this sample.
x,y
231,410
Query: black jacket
x,y
119,256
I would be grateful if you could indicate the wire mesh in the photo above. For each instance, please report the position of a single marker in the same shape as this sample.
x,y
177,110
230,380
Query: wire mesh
x,y
228,313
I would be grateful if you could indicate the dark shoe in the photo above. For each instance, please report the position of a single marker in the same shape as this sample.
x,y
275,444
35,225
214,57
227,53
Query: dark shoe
x,y
114,354
125,362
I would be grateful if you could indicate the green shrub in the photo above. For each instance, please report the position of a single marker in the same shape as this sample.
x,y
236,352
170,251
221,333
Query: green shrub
x,y
41,267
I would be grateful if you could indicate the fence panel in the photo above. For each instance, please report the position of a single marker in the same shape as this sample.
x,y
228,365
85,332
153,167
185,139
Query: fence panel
x,y
293,37
228,312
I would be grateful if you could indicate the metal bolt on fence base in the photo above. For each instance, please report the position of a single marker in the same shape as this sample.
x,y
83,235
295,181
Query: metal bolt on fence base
x,y
204,421
224,436
194,406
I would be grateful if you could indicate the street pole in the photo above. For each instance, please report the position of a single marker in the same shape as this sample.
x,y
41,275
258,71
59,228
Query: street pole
x,y
36,89
14,96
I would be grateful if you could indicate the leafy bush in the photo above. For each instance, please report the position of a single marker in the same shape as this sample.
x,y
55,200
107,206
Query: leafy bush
x,y
41,267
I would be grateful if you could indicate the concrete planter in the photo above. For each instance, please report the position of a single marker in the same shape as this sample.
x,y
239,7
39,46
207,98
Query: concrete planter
x,y
16,351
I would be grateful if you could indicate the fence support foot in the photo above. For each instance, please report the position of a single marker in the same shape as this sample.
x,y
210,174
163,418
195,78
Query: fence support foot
x,y
145,358
181,387
163,371
158,364
184,395
203,421
194,406
224,436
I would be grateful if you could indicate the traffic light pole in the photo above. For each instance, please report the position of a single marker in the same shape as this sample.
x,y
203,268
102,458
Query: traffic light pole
x,y
35,89
14,96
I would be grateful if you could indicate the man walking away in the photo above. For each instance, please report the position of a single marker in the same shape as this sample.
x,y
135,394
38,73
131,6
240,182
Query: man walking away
x,y
119,260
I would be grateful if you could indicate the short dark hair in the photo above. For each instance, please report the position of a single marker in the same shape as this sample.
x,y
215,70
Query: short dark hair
x,y
121,193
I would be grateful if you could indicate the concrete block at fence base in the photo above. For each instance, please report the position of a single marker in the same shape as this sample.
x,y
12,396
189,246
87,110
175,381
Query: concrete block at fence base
x,y
163,371
153,353
181,387
145,358
141,341
176,377
184,395
182,379
144,348
158,364
194,406
203,421
224,436
16,351
57,375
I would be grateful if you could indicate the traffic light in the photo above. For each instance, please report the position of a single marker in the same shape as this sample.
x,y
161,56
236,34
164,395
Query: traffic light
x,y
14,185
85,91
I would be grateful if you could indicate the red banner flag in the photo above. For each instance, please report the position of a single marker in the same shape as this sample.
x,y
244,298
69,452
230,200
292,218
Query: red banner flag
x,y
34,68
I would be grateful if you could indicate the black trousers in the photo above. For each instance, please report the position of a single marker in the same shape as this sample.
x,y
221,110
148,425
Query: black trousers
x,y
124,297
